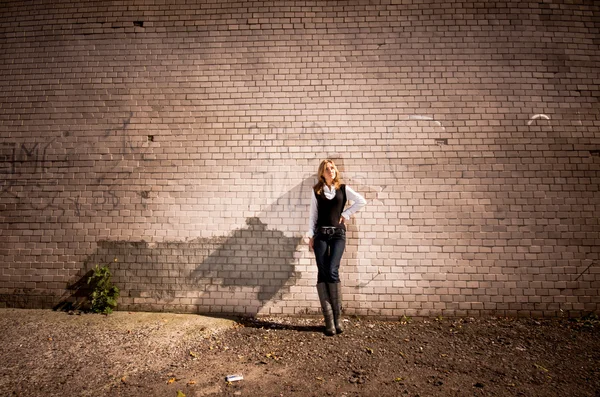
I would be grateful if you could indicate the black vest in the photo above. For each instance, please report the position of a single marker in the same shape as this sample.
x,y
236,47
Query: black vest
x,y
330,211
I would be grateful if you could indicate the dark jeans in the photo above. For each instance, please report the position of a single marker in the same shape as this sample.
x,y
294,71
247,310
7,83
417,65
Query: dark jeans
x,y
329,246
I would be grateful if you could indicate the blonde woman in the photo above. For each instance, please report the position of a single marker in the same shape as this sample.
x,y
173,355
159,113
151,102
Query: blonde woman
x,y
327,238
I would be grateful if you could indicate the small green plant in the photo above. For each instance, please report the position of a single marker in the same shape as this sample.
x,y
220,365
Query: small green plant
x,y
405,320
589,321
104,295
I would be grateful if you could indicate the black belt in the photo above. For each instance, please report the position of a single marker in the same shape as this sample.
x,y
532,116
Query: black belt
x,y
329,229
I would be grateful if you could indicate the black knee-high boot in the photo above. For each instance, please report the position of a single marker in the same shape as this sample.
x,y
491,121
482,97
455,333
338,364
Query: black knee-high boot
x,y
325,300
335,293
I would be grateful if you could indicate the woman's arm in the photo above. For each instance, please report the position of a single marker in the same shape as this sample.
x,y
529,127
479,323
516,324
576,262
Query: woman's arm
x,y
358,202
312,218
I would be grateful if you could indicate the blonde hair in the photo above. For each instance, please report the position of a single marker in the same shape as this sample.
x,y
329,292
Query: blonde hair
x,y
318,188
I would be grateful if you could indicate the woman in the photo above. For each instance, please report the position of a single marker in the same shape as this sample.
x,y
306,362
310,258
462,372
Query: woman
x,y
327,238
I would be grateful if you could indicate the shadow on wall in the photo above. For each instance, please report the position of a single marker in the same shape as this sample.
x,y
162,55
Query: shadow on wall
x,y
238,273
234,274
252,257
76,295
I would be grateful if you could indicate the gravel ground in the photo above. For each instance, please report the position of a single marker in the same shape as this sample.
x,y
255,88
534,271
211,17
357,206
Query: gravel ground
x,y
47,353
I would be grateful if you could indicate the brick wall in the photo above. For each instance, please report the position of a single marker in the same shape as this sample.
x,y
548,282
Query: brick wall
x,y
178,142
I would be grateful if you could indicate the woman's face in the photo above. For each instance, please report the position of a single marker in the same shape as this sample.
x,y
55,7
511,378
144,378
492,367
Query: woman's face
x,y
329,173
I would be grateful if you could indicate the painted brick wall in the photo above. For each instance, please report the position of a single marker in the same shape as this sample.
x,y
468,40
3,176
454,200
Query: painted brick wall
x,y
178,142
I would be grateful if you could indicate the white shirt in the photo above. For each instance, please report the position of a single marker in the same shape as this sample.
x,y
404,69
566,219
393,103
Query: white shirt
x,y
329,192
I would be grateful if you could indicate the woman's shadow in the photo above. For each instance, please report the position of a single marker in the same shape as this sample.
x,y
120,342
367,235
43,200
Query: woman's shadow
x,y
253,322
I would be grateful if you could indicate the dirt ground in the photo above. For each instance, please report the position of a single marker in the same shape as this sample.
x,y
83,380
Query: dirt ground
x,y
46,353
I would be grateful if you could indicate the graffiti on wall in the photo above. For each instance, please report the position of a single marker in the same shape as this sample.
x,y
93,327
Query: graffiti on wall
x,y
33,174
